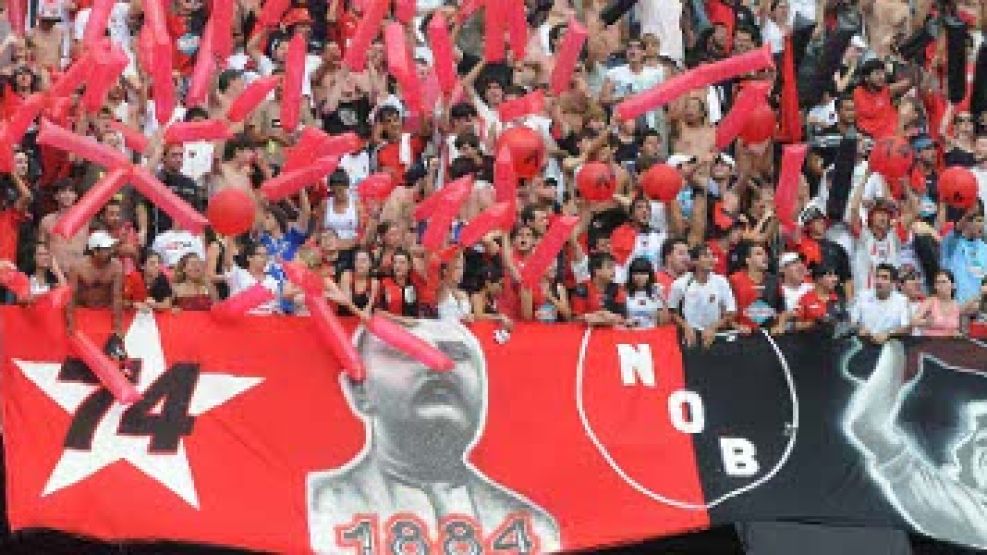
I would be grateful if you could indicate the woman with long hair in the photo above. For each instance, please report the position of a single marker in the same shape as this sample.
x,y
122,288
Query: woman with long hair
x,y
548,302
939,314
452,303
359,284
192,289
646,305
44,274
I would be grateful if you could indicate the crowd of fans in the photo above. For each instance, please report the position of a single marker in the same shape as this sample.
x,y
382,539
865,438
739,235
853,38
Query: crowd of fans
x,y
889,257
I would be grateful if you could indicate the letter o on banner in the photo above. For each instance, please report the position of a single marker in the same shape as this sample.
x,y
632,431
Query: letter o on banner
x,y
678,402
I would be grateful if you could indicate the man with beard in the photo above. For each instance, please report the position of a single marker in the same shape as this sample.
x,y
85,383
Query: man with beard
x,y
421,426
876,113
940,502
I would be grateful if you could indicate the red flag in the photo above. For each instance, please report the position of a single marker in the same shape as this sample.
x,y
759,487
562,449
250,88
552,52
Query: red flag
x,y
786,195
791,123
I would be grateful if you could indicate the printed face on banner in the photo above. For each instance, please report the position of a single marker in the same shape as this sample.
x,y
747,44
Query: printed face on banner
x,y
935,476
412,483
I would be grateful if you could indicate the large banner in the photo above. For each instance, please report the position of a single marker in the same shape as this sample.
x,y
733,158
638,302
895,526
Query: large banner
x,y
562,437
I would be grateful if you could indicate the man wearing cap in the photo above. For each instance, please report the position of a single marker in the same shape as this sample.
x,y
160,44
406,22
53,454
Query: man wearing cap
x,y
49,35
97,281
876,112
793,279
818,250
875,243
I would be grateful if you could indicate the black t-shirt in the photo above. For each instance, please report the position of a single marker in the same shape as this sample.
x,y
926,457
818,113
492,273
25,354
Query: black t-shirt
x,y
603,223
187,189
160,289
348,116
960,157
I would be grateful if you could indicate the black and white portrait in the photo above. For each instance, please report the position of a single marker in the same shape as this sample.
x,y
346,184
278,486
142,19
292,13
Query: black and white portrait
x,y
420,428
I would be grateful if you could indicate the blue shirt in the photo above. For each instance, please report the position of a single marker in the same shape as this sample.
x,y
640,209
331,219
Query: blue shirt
x,y
967,259
282,250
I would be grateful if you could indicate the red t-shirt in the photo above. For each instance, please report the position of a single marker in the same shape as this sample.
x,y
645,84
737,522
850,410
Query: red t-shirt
x,y
812,308
134,289
720,255
876,115
746,293
588,298
389,156
10,221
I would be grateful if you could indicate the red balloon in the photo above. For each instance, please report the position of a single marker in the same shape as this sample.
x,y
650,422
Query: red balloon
x,y
596,182
527,150
760,125
958,187
231,211
662,182
891,157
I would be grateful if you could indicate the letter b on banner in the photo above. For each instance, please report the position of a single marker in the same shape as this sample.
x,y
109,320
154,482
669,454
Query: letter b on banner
x,y
739,457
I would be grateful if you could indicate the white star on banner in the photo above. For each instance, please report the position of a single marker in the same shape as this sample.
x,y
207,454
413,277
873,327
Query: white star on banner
x,y
143,342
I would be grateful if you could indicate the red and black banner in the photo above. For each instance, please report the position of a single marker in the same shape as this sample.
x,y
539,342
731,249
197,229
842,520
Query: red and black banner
x,y
562,437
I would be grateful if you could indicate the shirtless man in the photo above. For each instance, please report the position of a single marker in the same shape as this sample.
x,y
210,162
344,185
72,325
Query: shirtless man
x,y
236,171
67,252
97,282
48,37
695,135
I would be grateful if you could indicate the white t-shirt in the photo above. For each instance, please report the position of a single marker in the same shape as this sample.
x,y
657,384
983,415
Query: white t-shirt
x,y
197,161
703,304
172,245
626,82
642,307
868,252
879,316
240,279
771,34
646,245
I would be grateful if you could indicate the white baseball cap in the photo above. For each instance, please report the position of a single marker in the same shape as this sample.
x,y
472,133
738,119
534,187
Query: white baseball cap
x,y
100,240
677,160
787,259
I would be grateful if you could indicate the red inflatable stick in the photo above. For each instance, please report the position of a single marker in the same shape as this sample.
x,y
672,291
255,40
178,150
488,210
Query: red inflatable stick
x,y
307,280
242,303
162,83
442,53
468,8
505,182
786,195
99,15
314,144
704,75
517,27
111,60
271,12
452,198
83,147
17,282
289,183
23,117
205,130
531,103
107,372
6,150
400,338
376,187
497,216
92,202
132,138
548,248
427,207
404,10
366,31
204,70
750,96
396,48
73,76
496,23
222,24
16,14
291,97
162,197
251,97
567,57
335,338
